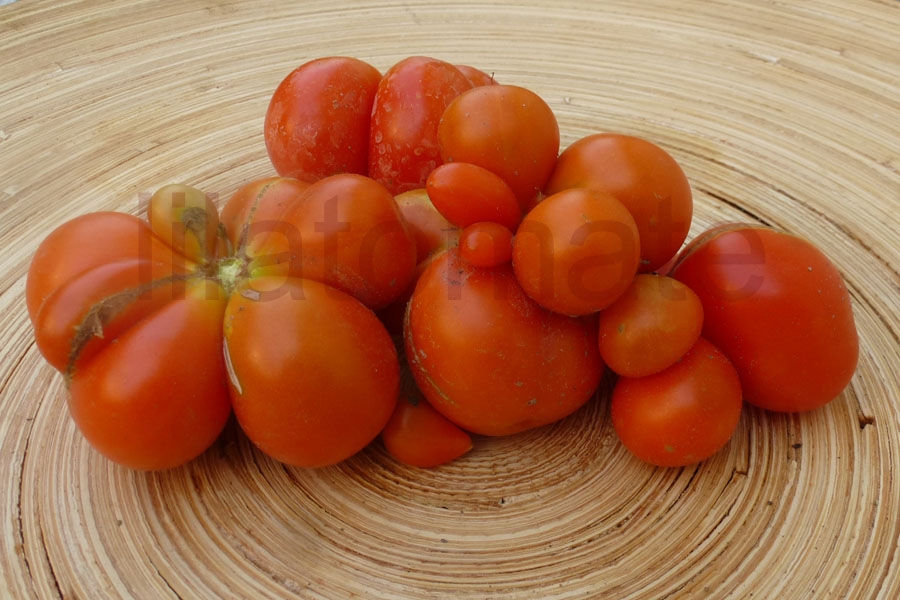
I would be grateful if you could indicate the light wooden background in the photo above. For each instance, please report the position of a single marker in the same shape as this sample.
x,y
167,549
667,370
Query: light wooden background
x,y
786,113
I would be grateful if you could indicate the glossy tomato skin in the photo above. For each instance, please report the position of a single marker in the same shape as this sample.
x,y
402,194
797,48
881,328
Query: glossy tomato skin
x,y
488,357
314,375
641,175
408,104
431,230
508,130
156,398
779,309
486,244
465,194
257,208
345,230
576,251
419,436
476,76
89,241
317,122
683,414
650,326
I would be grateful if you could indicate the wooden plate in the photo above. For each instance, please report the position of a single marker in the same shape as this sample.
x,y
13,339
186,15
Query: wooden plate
x,y
783,113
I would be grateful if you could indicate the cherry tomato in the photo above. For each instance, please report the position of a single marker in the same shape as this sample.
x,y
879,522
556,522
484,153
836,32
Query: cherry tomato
x,y
318,119
465,193
650,326
506,129
409,102
641,175
681,415
486,244
488,357
576,251
779,309
418,435
313,373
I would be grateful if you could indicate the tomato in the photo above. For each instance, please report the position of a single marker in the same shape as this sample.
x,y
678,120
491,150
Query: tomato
x,y
465,193
641,175
506,129
409,102
257,208
683,414
345,230
418,435
476,77
318,119
779,309
486,244
431,230
156,398
489,358
576,251
650,326
313,373
186,219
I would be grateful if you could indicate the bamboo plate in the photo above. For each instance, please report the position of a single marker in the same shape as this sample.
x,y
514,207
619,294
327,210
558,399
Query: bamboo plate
x,y
783,113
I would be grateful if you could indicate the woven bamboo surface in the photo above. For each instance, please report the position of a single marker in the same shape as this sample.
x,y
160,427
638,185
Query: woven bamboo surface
x,y
786,113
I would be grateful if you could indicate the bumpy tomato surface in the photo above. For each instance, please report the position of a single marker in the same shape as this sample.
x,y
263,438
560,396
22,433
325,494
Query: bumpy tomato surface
x,y
681,415
641,175
488,357
779,309
409,102
576,251
508,130
317,122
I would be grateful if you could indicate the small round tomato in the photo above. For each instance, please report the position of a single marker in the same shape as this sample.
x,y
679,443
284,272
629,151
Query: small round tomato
x,y
409,102
314,375
576,251
318,119
779,309
650,326
465,193
506,129
641,175
418,435
681,415
486,244
488,357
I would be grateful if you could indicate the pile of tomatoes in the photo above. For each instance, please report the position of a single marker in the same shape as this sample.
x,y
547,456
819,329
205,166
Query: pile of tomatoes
x,y
425,266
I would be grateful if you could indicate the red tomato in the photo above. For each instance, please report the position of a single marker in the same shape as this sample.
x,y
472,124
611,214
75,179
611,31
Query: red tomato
x,y
506,129
683,414
641,175
431,230
409,102
257,208
486,244
476,76
779,309
187,220
419,436
345,230
318,119
488,357
465,193
650,326
156,398
576,251
313,373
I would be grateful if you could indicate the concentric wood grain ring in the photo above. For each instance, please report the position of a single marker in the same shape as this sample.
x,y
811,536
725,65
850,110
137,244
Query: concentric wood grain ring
x,y
783,113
